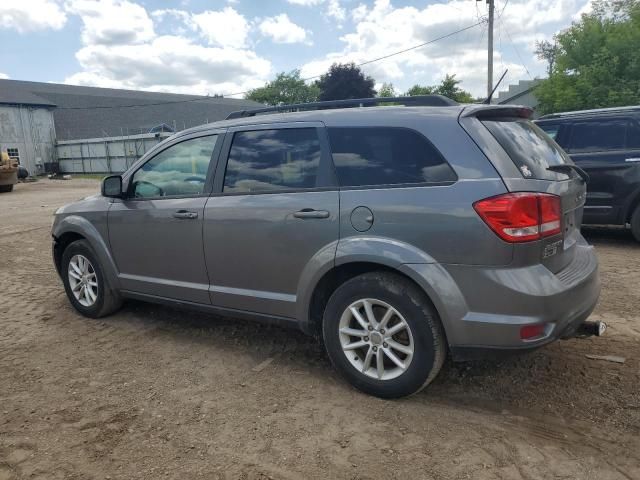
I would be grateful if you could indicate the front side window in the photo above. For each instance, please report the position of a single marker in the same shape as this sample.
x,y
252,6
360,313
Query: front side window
x,y
368,156
176,171
272,160
598,135
550,129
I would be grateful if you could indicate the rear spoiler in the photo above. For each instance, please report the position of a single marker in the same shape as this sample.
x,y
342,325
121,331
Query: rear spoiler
x,y
492,111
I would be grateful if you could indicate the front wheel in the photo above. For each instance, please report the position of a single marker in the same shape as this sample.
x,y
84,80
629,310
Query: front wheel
x,y
84,282
383,335
635,223
6,188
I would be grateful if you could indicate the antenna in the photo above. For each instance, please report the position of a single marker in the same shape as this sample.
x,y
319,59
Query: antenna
x,y
488,100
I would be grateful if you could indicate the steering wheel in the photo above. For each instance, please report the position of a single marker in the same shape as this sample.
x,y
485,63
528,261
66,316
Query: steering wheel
x,y
144,182
194,179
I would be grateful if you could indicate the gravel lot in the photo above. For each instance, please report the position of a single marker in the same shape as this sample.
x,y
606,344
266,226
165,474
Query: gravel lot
x,y
157,393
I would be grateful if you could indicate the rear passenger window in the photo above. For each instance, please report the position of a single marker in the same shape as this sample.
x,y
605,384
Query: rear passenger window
x,y
386,156
269,160
598,135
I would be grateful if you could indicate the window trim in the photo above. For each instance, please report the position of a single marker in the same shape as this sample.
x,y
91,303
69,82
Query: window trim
x,y
569,149
392,185
326,175
208,183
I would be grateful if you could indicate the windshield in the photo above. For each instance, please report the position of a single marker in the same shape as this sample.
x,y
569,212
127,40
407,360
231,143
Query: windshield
x,y
529,147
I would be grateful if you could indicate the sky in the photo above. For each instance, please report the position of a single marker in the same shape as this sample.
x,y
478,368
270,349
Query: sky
x,y
230,46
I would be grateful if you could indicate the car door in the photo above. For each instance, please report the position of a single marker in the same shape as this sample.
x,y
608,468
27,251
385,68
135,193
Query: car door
x,y
274,209
156,230
598,145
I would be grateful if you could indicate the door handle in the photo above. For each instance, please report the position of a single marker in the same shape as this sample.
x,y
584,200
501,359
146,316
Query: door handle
x,y
185,215
311,213
632,160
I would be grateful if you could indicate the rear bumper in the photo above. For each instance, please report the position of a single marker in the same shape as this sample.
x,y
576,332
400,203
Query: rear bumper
x,y
498,302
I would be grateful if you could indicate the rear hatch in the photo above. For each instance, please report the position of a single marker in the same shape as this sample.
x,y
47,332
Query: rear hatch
x,y
523,145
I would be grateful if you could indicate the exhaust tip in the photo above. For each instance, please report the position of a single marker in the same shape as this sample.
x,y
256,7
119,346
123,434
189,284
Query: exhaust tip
x,y
589,329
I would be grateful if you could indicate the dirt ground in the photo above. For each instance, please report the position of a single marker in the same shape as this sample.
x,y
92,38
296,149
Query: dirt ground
x,y
157,393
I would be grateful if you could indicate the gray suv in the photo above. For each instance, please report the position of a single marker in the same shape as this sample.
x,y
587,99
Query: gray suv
x,y
397,234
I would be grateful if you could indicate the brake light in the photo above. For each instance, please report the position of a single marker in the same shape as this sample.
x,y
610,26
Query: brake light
x,y
522,216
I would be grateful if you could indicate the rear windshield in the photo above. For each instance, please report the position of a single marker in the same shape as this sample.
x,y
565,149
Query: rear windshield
x,y
528,146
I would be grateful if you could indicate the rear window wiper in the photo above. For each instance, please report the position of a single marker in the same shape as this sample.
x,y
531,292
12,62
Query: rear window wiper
x,y
568,167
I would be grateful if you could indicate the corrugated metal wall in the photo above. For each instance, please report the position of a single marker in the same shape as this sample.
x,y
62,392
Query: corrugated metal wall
x,y
104,155
31,131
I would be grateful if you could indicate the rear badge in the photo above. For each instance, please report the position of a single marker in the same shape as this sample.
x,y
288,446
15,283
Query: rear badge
x,y
551,249
525,171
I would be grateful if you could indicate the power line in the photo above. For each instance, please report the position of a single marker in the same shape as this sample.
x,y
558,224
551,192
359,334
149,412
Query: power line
x,y
200,99
515,49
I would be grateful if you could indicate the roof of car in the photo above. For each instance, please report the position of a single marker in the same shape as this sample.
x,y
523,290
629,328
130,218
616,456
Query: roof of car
x,y
358,116
591,112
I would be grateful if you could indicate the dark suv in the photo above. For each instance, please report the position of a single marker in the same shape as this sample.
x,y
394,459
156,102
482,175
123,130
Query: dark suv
x,y
397,233
606,144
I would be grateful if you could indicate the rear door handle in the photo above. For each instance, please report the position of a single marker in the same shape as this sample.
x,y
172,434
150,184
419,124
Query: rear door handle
x,y
311,213
185,215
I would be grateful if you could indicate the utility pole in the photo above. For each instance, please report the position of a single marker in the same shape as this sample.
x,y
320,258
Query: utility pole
x,y
490,49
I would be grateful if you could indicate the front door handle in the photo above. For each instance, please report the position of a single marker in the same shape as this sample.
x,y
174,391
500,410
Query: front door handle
x,y
185,215
311,213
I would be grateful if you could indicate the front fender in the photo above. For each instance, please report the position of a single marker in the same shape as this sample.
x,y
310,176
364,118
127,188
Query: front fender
x,y
83,227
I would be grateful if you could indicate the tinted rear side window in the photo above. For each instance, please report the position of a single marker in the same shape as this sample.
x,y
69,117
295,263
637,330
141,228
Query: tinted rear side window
x,y
528,146
268,160
367,156
598,135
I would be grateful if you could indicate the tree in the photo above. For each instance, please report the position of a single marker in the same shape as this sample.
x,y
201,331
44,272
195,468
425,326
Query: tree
x,y
597,62
548,51
287,88
420,90
345,81
387,90
448,87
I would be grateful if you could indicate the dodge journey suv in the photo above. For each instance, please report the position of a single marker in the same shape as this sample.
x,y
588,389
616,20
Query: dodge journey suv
x,y
397,234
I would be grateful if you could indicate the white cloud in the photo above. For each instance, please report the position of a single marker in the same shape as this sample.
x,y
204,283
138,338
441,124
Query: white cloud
x,y
382,29
225,27
31,15
335,11
282,30
305,3
3,76
112,22
173,64
132,54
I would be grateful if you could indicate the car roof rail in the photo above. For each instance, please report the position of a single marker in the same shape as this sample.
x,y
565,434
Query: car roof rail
x,y
577,113
414,101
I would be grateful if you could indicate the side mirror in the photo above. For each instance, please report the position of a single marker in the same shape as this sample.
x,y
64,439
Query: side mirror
x,y
112,186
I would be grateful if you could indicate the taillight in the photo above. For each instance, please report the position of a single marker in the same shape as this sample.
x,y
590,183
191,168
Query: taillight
x,y
523,216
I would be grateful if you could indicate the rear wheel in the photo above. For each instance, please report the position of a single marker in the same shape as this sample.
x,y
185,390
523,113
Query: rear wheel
x,y
85,283
635,223
6,188
383,335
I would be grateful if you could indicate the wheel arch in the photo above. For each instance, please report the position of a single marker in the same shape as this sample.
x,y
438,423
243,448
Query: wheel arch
x,y
311,322
72,228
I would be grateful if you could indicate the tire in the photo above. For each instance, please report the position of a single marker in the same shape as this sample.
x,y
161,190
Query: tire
x,y
6,188
635,223
424,336
106,299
